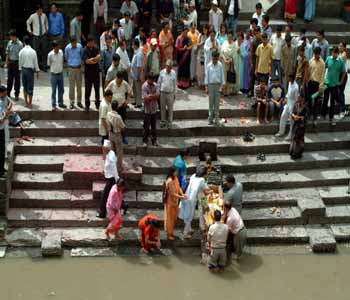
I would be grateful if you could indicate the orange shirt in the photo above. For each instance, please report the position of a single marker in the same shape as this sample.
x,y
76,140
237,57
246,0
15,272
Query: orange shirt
x,y
194,37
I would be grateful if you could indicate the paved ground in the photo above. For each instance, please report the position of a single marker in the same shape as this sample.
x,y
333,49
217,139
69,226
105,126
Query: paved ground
x,y
190,99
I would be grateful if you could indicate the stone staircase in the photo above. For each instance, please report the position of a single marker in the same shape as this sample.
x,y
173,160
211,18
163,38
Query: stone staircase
x,y
57,180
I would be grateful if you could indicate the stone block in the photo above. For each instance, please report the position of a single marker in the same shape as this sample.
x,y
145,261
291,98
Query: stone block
x,y
149,200
24,237
311,207
92,252
321,239
277,234
51,243
341,232
84,237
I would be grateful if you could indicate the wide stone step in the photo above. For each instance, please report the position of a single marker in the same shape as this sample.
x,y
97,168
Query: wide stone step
x,y
335,214
335,195
38,163
95,237
271,180
169,146
39,180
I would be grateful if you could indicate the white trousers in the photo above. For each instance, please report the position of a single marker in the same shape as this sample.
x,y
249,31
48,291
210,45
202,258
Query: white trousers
x,y
286,114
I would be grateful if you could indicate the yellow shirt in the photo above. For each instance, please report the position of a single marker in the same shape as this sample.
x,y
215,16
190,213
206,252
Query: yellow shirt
x,y
317,70
194,37
265,54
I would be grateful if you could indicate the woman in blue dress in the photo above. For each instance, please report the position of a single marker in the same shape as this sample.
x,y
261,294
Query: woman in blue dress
x,y
310,9
181,167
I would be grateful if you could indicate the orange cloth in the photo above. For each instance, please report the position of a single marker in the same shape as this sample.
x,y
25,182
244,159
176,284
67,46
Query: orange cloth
x,y
148,230
167,51
171,208
194,37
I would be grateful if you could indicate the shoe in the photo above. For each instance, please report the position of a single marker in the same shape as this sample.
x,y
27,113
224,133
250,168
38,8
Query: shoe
x,y
87,109
62,106
80,105
72,106
155,144
97,106
278,134
145,144
341,116
210,122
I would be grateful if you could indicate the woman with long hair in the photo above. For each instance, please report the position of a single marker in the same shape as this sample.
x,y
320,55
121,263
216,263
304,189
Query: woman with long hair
x,y
183,53
239,60
171,206
221,36
201,57
228,53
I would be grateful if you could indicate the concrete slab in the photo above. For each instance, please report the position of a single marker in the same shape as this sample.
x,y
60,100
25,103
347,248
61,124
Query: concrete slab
x,y
51,243
341,232
24,237
321,239
84,237
277,234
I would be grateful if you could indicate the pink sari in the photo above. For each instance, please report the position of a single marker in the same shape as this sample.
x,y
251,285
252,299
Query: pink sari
x,y
113,206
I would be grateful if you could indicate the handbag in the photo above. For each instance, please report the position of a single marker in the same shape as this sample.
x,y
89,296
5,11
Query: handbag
x,y
231,74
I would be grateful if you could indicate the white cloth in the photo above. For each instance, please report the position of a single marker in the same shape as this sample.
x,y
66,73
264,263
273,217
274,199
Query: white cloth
x,y
277,43
167,81
118,91
124,58
192,19
214,74
55,61
100,10
104,109
33,21
234,221
28,59
217,235
133,10
127,27
110,168
207,50
292,94
259,18
216,18
292,97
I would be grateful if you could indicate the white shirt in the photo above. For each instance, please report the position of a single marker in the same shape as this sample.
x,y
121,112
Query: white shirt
x,y
133,10
215,19
28,59
33,21
100,10
192,18
111,166
207,50
55,61
118,91
234,221
217,235
277,44
259,18
214,74
127,27
167,81
292,95
124,58
104,109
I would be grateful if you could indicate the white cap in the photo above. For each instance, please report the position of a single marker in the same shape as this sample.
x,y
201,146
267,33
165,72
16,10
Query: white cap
x,y
154,42
107,144
214,2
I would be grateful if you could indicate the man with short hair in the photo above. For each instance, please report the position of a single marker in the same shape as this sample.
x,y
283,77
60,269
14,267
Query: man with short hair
x,y
5,110
100,16
321,42
106,59
215,16
334,78
258,14
75,28
237,236
277,42
288,64
124,59
127,25
262,101
234,192
130,7
302,70
315,84
73,54
153,62
167,87
232,12
150,98
214,82
137,73
103,110
91,58
276,95
14,46
117,66
55,61
253,59
28,65
217,239
266,28
56,25
264,56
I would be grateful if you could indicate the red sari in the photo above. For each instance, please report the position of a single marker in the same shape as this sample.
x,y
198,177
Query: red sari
x,y
290,9
148,230
113,206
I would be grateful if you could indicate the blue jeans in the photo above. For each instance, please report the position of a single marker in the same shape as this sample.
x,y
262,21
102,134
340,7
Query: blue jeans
x,y
231,24
28,80
276,67
56,84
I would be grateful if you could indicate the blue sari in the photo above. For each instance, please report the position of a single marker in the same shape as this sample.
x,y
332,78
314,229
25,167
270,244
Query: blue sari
x,y
180,166
310,8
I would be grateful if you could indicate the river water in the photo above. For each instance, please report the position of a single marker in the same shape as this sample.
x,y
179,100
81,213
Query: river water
x,y
262,275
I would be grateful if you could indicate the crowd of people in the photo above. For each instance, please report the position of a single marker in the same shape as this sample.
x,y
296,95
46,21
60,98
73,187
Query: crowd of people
x,y
290,78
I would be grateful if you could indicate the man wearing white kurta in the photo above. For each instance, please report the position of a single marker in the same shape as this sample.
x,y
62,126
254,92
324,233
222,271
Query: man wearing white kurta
x,y
292,96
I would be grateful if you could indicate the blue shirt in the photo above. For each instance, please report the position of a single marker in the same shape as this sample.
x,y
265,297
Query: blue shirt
x,y
137,62
324,47
73,55
106,59
56,24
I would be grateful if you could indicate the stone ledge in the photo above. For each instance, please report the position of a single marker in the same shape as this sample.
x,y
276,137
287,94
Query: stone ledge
x,y
321,239
51,243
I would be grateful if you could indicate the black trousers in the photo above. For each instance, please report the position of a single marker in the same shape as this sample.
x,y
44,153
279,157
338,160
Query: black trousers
x,y
312,88
92,79
252,80
149,127
109,184
334,93
13,78
2,152
40,45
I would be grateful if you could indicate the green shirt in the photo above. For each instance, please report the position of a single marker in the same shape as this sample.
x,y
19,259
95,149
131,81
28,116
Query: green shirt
x,y
334,69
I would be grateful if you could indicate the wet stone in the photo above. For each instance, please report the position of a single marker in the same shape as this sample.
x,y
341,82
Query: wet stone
x,y
84,237
321,239
24,237
51,244
92,252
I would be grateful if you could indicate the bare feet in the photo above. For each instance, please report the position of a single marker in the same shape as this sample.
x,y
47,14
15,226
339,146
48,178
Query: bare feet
x,y
108,236
266,121
258,122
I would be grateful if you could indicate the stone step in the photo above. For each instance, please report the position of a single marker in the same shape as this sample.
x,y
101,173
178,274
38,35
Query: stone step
x,y
169,146
95,237
24,217
46,128
335,195
38,163
269,180
52,199
335,214
321,239
39,180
